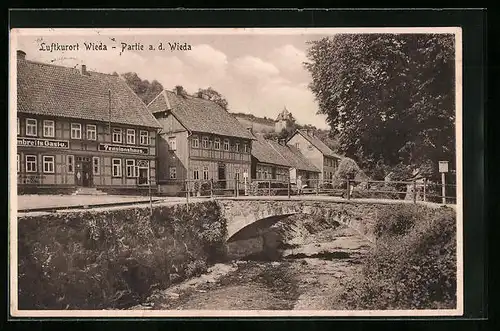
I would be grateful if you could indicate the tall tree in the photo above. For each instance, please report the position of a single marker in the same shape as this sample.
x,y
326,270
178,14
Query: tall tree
x,y
143,88
389,98
214,96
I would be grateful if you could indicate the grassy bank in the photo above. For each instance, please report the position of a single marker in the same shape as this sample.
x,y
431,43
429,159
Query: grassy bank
x,y
413,265
114,259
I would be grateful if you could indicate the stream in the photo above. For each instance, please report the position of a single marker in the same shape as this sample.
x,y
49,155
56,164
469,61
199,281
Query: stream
x,y
304,265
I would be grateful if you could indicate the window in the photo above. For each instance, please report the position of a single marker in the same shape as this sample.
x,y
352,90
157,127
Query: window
x,y
144,137
237,147
70,162
195,142
245,147
204,142
95,165
76,131
131,136
18,166
196,174
117,167
217,143
31,127
237,173
130,168
117,136
172,144
173,173
205,173
91,132
48,128
30,163
259,173
297,145
226,144
48,164
18,127
265,174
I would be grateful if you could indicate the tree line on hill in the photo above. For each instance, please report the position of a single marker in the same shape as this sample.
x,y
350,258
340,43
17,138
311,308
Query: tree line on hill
x,y
147,91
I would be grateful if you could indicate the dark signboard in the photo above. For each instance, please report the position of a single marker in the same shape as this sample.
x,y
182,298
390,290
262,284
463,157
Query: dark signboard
x,y
48,143
123,149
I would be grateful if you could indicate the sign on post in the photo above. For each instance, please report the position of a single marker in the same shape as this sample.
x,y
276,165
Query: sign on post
x,y
443,168
245,178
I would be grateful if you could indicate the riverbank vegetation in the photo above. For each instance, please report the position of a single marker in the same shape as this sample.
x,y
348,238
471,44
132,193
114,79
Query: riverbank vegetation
x,y
113,259
413,265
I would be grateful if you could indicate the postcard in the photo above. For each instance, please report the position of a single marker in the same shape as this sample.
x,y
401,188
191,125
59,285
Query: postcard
x,y
238,172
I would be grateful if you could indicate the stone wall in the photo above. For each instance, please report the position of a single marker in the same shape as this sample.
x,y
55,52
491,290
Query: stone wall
x,y
115,258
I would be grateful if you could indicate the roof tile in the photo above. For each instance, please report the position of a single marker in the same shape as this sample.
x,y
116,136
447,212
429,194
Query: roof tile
x,y
46,89
199,115
319,144
272,152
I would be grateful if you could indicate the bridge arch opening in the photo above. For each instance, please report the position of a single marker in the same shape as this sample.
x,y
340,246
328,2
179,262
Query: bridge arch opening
x,y
254,229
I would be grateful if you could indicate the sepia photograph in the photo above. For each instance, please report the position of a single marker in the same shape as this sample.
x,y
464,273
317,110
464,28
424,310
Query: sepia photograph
x,y
235,172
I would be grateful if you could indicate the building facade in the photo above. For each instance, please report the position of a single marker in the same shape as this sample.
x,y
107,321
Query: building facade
x,y
78,128
200,142
317,152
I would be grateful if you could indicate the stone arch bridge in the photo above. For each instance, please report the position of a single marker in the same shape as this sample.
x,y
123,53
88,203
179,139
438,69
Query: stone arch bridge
x,y
243,213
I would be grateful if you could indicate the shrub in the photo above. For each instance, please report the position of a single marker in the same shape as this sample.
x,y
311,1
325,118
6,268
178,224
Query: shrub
x,y
412,267
375,191
113,259
348,168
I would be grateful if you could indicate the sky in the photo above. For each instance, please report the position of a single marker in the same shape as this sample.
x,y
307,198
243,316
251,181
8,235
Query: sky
x,y
257,73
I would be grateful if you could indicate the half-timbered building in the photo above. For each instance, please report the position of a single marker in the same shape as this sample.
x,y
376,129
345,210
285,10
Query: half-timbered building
x,y
80,129
199,142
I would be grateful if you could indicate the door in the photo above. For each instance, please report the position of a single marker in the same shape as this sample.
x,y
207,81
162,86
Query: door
x,y
222,174
86,174
143,176
83,173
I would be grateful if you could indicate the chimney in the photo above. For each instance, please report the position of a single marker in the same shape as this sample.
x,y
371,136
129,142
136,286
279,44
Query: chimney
x,y
83,69
21,55
178,90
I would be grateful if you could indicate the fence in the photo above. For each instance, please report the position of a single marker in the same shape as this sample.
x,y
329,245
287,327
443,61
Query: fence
x,y
417,190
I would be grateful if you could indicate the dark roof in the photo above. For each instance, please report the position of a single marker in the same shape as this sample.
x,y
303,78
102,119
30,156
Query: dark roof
x,y
264,153
272,152
46,89
318,143
199,115
294,157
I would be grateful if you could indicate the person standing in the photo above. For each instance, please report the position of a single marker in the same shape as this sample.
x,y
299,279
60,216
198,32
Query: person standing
x,y
299,185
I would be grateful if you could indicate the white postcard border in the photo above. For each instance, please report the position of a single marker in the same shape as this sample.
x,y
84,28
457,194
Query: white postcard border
x,y
13,231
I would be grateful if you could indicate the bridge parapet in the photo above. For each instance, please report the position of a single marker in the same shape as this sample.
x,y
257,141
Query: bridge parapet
x,y
242,213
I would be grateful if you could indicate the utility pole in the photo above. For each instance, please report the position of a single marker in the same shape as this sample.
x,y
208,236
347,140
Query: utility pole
x,y
150,197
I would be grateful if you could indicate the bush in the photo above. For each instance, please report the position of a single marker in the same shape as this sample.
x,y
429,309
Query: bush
x,y
413,265
348,168
397,220
376,191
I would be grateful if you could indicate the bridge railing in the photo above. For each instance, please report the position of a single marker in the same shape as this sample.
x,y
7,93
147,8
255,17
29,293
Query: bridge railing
x,y
415,190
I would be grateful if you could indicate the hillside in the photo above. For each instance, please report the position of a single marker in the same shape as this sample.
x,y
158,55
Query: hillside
x,y
258,124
